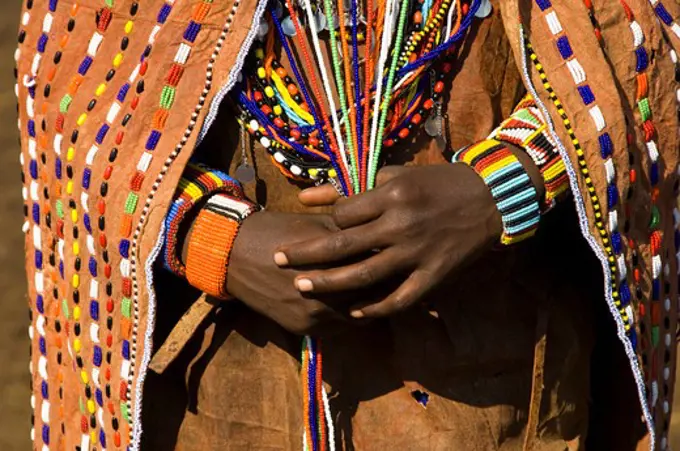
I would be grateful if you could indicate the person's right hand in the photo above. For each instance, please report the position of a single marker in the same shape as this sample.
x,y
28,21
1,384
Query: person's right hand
x,y
256,280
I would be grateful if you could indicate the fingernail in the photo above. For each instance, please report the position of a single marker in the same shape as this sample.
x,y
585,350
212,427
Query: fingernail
x,y
281,259
304,285
358,314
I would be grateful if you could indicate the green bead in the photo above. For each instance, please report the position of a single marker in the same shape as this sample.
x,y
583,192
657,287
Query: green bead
x,y
655,219
655,336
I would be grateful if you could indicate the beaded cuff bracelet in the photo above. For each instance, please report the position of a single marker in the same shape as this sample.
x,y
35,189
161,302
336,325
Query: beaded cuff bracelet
x,y
527,129
196,184
212,239
510,186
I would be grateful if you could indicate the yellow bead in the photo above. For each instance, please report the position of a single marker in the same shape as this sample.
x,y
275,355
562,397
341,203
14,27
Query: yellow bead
x,y
118,60
278,110
74,216
128,27
101,89
77,345
70,153
259,53
269,91
75,281
69,187
313,172
84,378
261,72
76,248
332,173
91,407
76,313
81,119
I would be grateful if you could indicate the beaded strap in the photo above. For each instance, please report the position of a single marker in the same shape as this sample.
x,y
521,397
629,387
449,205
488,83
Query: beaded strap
x,y
197,183
212,239
510,185
527,129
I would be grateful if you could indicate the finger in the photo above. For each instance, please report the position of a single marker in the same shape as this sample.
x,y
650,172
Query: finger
x,y
319,196
332,248
388,173
359,209
364,274
410,292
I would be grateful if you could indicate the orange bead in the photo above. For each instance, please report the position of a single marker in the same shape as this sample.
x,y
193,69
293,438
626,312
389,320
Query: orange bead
x,y
418,17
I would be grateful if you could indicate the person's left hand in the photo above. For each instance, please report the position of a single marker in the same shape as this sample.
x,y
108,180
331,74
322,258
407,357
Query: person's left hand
x,y
420,223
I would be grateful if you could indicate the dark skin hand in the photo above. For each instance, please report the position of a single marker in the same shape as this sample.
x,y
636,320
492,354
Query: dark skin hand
x,y
420,223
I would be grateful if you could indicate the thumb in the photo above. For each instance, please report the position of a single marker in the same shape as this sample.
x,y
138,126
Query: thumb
x,y
387,173
319,196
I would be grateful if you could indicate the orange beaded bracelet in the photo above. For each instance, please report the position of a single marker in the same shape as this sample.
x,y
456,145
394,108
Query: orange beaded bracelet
x,y
212,239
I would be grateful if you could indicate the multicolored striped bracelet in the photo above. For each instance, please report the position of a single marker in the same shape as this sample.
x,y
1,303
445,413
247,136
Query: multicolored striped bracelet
x,y
527,129
510,185
212,239
197,183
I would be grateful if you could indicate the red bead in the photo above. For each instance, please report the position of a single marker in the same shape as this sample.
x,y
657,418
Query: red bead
x,y
403,133
101,206
447,67
633,176
102,240
83,424
119,137
313,141
279,123
439,87
465,9
107,172
107,271
257,95
416,119
429,103
109,343
266,109
636,275
109,306
295,133
143,68
389,143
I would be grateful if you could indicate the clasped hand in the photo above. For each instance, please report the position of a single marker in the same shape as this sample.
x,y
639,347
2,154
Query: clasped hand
x,y
417,226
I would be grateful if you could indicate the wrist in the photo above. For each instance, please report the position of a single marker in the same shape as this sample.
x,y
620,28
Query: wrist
x,y
511,187
211,240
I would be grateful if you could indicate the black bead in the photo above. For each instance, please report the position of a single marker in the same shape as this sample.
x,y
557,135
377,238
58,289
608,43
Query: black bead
x,y
77,264
124,43
113,155
110,75
109,289
76,330
126,119
74,136
104,189
102,223
57,57
91,105
134,8
22,36
76,296
71,24
69,171
47,91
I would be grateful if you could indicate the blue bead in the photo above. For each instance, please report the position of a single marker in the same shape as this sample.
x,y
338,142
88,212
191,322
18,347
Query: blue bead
x,y
654,173
564,47
46,434
606,145
40,304
656,289
53,5
44,390
543,4
31,128
87,173
624,292
612,196
94,310
663,14
42,345
92,265
101,134
122,93
164,13
642,59
42,43
152,142
57,168
38,259
86,221
192,31
126,350
616,242
36,213
586,94
124,248
85,65
677,240
33,169
61,269
102,438
99,397
632,336
97,356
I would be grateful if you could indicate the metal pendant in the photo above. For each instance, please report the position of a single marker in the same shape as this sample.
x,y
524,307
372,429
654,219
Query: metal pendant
x,y
433,125
484,9
245,173
288,27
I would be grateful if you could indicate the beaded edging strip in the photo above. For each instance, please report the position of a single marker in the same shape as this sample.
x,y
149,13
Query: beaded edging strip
x,y
606,259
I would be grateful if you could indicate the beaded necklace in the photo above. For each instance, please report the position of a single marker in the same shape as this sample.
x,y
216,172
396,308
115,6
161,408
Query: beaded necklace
x,y
400,44
306,135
